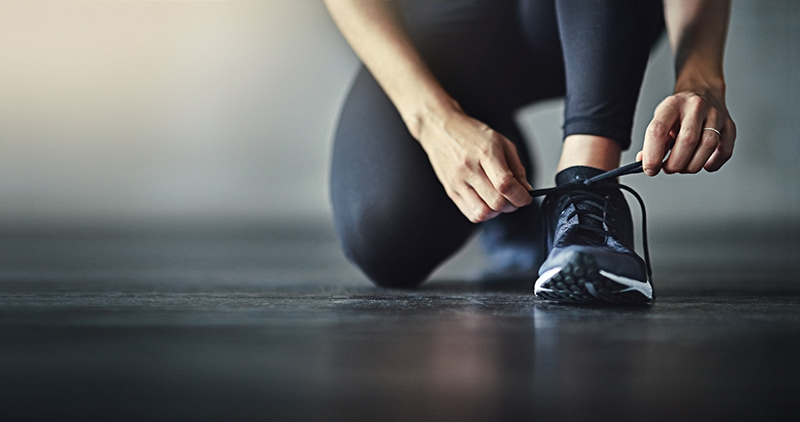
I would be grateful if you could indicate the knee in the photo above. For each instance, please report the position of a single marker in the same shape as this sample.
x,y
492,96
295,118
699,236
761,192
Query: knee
x,y
390,255
386,263
389,272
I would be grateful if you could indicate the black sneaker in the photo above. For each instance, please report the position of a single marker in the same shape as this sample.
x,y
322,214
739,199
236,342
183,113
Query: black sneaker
x,y
590,239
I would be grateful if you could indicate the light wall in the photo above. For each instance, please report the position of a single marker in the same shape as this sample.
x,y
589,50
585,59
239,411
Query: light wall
x,y
146,110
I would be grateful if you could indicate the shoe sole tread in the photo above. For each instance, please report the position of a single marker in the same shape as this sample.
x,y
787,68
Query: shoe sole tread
x,y
580,282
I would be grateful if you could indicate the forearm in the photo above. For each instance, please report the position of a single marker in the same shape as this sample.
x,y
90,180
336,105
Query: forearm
x,y
375,31
697,31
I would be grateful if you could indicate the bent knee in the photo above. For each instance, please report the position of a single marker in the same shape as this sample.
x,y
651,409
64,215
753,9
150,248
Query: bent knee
x,y
389,268
388,261
396,249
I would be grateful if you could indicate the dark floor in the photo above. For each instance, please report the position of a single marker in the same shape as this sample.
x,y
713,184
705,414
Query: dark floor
x,y
271,324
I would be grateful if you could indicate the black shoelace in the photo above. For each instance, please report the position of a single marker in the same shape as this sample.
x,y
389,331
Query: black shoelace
x,y
596,200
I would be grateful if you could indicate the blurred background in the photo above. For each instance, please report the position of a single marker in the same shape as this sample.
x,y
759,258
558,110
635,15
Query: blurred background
x,y
118,112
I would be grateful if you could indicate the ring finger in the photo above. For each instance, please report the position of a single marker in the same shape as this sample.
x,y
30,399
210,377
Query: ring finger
x,y
709,140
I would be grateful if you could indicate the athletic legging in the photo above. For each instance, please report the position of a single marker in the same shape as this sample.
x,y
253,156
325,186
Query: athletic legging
x,y
393,217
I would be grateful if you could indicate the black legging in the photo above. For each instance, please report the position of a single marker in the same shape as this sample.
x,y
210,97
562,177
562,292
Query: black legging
x,y
392,214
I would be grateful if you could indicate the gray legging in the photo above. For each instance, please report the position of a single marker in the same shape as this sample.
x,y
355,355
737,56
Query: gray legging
x,y
392,215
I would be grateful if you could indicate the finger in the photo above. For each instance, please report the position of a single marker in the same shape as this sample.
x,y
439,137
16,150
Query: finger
x,y
657,137
724,150
503,179
709,140
688,137
461,204
516,167
705,148
488,195
473,207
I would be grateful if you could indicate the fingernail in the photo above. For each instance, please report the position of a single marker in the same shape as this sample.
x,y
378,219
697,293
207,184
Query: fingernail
x,y
650,172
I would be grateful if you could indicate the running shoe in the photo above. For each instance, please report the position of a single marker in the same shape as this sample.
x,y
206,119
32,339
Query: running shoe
x,y
589,227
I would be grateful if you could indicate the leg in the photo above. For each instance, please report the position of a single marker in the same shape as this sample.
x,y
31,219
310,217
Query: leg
x,y
394,220
392,215
590,235
606,48
514,241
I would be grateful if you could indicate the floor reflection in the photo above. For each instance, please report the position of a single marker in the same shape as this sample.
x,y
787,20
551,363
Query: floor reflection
x,y
508,357
453,363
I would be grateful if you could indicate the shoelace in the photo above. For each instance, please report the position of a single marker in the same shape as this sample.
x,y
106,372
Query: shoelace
x,y
591,213
591,199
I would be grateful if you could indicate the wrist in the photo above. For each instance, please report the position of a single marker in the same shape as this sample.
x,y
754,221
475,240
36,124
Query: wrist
x,y
429,112
699,81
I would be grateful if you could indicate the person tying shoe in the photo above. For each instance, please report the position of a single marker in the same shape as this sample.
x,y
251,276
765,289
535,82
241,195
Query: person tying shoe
x,y
426,149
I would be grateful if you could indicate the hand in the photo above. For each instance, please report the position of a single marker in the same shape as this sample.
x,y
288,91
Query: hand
x,y
479,168
678,124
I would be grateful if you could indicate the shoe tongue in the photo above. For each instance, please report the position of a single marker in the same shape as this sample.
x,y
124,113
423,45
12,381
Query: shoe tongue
x,y
583,207
576,174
